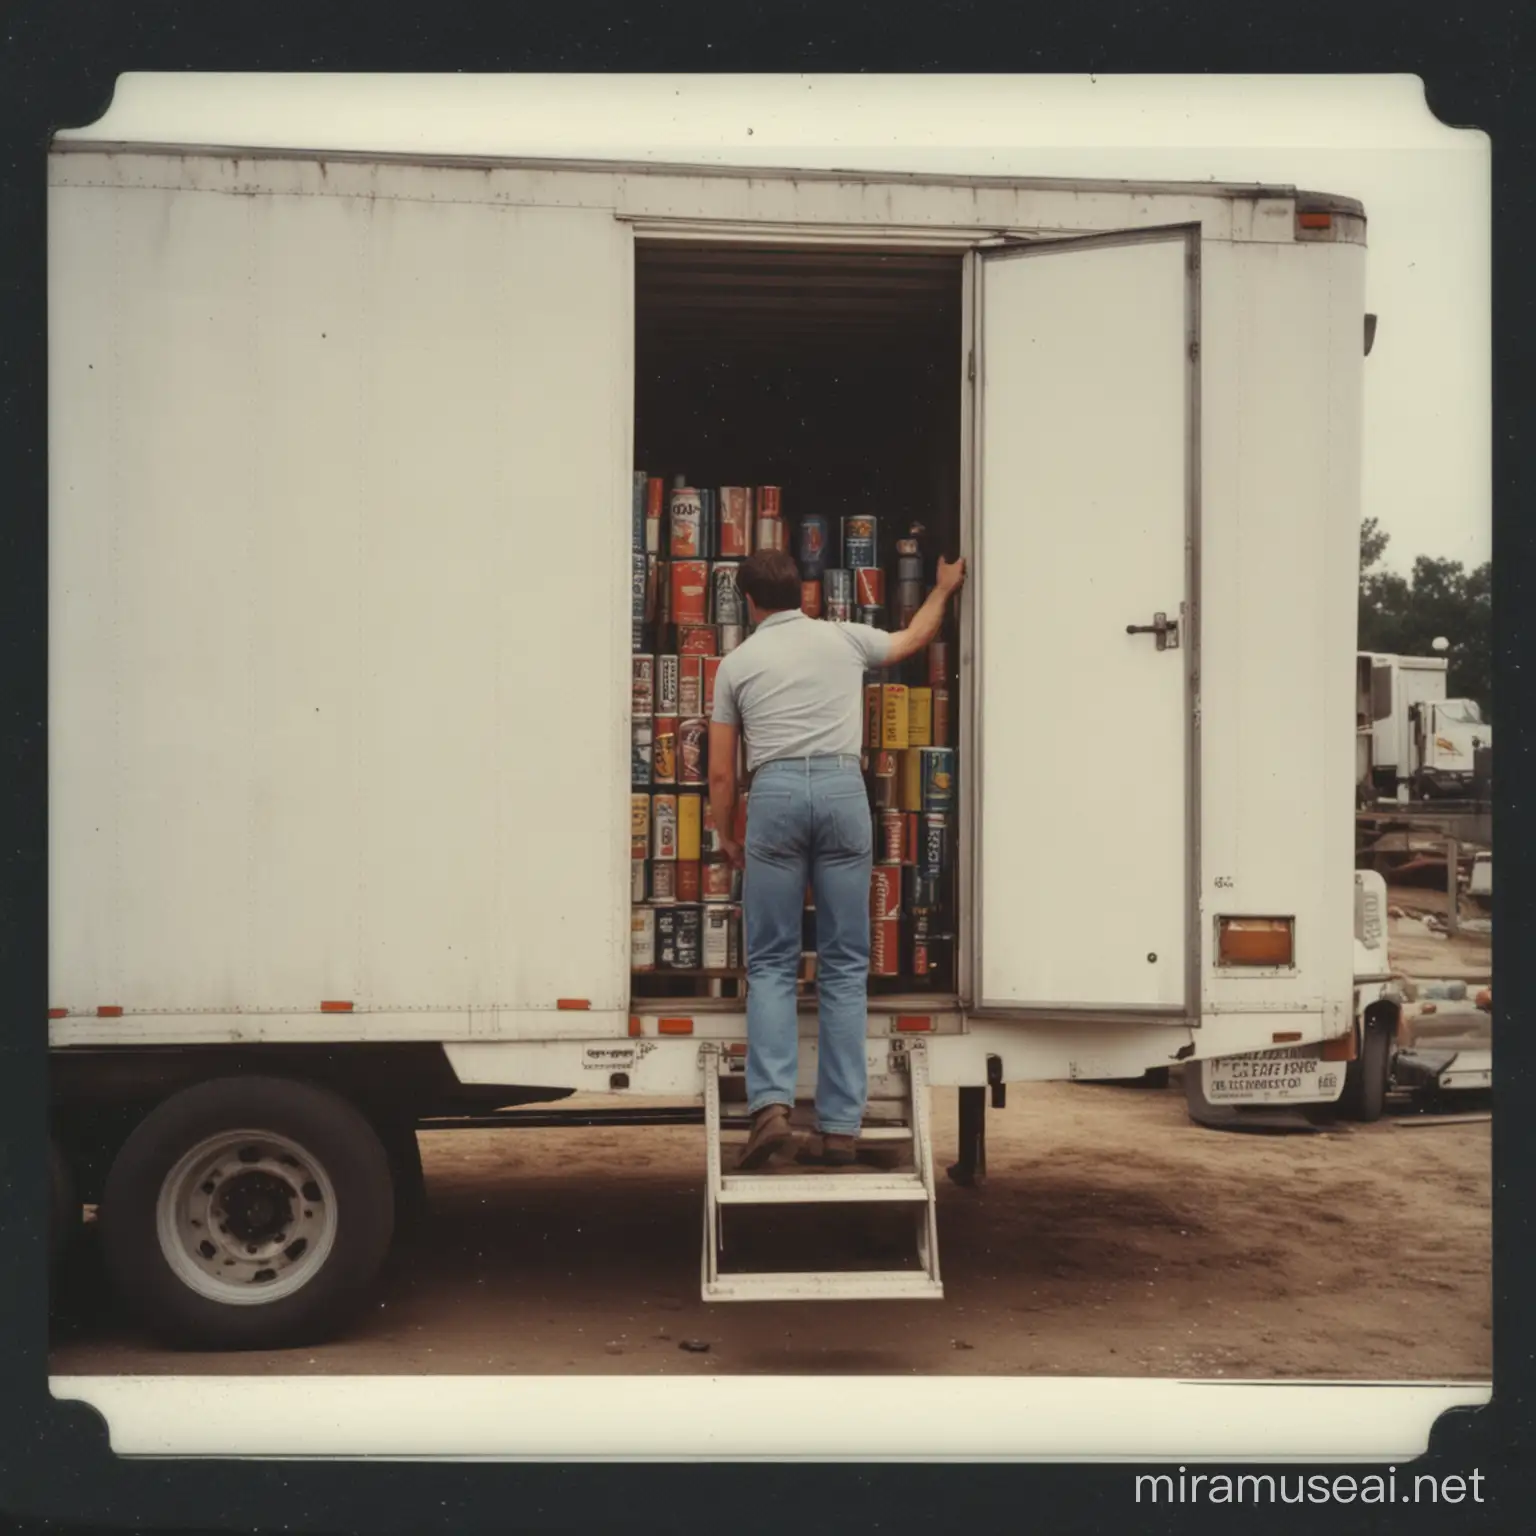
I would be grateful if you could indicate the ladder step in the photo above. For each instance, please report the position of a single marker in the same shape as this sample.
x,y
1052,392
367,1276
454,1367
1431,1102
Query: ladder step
x,y
819,1188
826,1285
736,1134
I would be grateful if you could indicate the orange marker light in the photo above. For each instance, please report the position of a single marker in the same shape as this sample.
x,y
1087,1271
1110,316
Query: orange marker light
x,y
634,1024
335,1007
674,1026
58,1013
109,1011
1285,1036
911,1024
1315,220
573,1004
1340,1048
1256,941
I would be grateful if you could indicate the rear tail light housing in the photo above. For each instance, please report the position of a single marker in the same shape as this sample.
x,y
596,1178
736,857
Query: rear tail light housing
x,y
1256,943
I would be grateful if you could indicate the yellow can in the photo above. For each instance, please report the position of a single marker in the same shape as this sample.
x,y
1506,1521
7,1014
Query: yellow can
x,y
690,826
893,717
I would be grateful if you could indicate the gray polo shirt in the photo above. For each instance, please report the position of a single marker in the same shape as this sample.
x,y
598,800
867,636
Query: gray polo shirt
x,y
795,687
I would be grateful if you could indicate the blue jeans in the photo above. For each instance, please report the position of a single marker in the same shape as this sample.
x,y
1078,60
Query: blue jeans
x,y
808,823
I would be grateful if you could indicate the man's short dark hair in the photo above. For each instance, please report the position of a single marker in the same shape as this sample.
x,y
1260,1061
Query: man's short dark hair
x,y
771,579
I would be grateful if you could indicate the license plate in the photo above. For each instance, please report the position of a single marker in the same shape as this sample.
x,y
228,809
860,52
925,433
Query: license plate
x,y
1297,1075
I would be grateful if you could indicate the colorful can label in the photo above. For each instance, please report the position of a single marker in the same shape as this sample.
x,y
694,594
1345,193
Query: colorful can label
x,y
885,780
811,551
666,940
643,686
692,751
920,945
641,752
731,635
642,939
810,599
690,592
639,826
771,533
859,544
838,585
690,826
687,956
718,881
637,873
664,750
685,524
885,892
893,837
735,522
698,640
770,501
933,846
872,714
664,828
910,794
938,664
664,882
638,569
715,945
710,672
869,587
709,833
941,717
689,879
885,947
690,685
667,685
655,504
893,717
839,611
922,891
938,771
920,717
729,605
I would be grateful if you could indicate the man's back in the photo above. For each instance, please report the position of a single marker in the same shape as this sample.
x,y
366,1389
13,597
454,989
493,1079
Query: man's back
x,y
795,687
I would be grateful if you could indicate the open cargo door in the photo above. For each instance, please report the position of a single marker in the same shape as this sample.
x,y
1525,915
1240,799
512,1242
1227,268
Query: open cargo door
x,y
1082,805
339,608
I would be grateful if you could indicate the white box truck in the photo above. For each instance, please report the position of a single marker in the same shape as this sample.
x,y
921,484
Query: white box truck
x,y
1423,745
341,456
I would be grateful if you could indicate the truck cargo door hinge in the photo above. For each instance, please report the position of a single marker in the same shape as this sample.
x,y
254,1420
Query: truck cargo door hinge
x,y
970,364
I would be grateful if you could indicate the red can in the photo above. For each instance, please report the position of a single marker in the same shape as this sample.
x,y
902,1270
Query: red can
x,y
911,830
717,880
885,892
869,587
690,686
769,502
920,946
655,505
698,640
692,753
686,524
885,780
893,838
689,587
642,685
885,947
941,717
938,664
664,750
810,599
711,672
735,522
688,880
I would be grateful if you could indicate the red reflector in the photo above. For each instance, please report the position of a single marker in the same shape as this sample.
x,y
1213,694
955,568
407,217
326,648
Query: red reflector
x,y
58,1013
674,1026
738,1049
1315,220
335,1007
911,1024
109,1011
634,1024
1285,1036
573,1004
1340,1048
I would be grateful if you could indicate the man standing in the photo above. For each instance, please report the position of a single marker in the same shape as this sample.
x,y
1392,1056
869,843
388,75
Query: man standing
x,y
795,688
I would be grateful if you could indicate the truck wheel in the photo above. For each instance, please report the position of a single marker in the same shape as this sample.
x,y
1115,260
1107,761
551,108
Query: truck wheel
x,y
247,1213
63,1204
1365,1078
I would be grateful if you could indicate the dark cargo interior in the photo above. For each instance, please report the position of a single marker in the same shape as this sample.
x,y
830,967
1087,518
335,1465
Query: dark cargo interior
x,y
833,373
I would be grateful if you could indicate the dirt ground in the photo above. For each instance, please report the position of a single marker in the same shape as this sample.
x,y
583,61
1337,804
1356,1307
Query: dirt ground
x,y
1112,1237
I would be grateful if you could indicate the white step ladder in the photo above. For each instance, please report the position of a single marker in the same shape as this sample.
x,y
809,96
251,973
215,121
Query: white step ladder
x,y
726,1187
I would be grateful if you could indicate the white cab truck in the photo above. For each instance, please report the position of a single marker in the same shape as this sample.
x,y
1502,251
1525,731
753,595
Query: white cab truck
x,y
1422,744
341,460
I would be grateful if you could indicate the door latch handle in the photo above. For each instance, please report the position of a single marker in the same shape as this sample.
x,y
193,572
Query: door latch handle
x,y
1166,630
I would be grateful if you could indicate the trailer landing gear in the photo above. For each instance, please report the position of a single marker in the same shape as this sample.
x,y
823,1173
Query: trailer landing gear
x,y
971,1168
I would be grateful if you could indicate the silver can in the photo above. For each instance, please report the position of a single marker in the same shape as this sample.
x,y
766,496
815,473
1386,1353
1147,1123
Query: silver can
x,y
728,605
636,881
731,635
668,682
664,882
715,945
642,939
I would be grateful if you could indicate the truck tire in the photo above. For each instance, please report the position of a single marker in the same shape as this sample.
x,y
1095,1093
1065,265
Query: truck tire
x,y
63,1205
247,1213
1365,1078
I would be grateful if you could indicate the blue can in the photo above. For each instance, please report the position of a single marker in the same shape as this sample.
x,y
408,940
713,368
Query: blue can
x,y
938,780
811,547
932,845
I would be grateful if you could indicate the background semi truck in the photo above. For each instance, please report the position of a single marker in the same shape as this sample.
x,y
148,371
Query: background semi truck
x,y
1420,742
341,549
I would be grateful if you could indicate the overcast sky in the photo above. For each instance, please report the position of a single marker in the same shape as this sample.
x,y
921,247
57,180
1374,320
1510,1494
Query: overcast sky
x,y
1425,188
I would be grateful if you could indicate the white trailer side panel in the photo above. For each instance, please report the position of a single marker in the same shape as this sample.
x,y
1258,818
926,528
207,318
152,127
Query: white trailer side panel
x,y
338,604
1282,363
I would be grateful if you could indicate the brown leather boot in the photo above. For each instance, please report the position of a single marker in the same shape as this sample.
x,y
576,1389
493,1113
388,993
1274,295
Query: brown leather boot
x,y
770,1131
829,1150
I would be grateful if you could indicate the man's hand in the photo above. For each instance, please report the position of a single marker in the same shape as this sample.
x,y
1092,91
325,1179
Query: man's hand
x,y
951,576
733,851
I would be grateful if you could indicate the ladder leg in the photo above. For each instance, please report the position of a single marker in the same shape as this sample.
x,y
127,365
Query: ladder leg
x,y
971,1169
